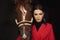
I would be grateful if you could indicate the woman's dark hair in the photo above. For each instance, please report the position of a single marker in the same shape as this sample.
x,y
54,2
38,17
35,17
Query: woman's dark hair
x,y
39,6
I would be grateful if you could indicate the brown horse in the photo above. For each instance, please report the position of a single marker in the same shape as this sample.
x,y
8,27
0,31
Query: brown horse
x,y
24,18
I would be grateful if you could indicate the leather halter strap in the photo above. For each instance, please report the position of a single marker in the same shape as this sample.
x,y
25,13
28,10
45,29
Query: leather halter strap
x,y
23,22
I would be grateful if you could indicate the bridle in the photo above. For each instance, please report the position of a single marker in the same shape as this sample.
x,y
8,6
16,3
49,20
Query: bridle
x,y
23,22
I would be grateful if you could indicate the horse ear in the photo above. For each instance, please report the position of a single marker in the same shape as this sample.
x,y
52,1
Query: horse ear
x,y
44,20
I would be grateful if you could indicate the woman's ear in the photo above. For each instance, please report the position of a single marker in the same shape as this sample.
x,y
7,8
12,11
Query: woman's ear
x,y
44,20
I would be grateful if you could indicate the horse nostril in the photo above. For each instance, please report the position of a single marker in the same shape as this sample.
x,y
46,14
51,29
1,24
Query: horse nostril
x,y
24,36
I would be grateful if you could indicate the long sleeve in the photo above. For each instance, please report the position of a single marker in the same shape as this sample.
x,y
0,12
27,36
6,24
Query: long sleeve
x,y
51,34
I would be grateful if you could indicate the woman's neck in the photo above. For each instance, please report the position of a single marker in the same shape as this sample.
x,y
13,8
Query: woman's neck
x,y
38,25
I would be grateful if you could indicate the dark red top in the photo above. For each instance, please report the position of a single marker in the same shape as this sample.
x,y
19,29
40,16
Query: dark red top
x,y
45,32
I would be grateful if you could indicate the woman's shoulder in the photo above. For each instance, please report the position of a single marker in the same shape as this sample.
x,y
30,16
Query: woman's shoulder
x,y
49,25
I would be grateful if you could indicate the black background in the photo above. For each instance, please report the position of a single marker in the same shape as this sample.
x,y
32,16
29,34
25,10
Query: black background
x,y
8,29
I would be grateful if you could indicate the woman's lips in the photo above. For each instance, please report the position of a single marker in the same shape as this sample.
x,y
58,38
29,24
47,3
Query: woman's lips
x,y
38,19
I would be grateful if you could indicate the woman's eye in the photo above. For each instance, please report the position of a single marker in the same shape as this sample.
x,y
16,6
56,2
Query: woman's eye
x,y
40,14
35,14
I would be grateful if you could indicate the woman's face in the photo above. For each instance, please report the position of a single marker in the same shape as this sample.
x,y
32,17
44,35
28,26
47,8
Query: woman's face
x,y
38,15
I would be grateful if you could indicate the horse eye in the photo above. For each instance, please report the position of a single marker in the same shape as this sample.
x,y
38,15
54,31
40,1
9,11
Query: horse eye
x,y
20,28
27,28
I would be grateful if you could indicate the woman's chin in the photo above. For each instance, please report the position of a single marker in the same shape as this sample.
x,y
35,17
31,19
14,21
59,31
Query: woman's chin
x,y
38,21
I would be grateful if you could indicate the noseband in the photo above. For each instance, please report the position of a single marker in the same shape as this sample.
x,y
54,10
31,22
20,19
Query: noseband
x,y
23,22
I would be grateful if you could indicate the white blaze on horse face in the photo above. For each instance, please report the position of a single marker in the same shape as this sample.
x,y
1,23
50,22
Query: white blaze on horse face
x,y
24,35
24,12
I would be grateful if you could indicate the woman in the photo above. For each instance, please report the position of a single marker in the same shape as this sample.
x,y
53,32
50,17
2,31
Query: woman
x,y
41,30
